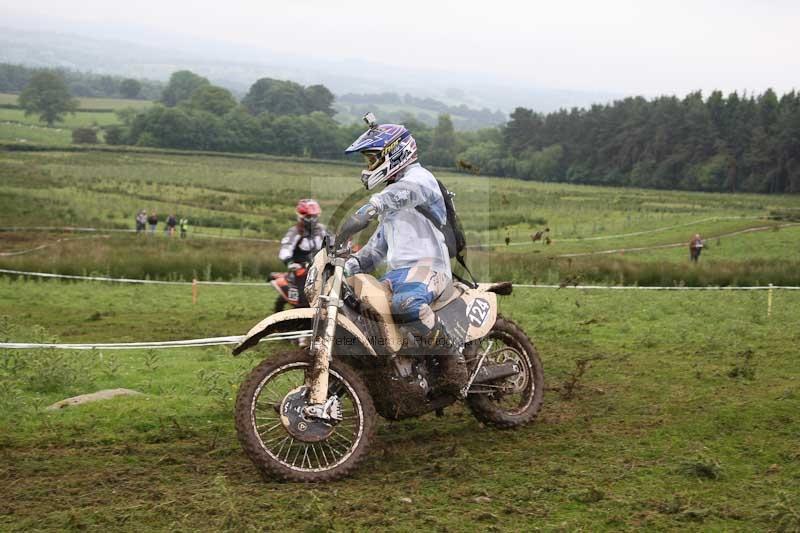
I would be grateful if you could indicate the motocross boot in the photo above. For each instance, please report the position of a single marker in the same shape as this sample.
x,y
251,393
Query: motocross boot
x,y
452,365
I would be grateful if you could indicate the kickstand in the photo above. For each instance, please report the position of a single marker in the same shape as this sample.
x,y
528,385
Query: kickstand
x,y
440,412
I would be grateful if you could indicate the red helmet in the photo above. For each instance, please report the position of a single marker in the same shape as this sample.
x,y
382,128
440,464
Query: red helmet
x,y
308,207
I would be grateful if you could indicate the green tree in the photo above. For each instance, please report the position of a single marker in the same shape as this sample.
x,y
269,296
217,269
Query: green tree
x,y
275,96
130,88
241,132
319,98
165,127
443,144
212,99
541,165
484,156
522,130
319,133
181,86
115,135
108,85
47,95
14,78
289,135
127,115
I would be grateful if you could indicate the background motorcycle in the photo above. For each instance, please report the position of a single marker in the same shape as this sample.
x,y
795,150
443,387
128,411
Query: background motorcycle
x,y
290,287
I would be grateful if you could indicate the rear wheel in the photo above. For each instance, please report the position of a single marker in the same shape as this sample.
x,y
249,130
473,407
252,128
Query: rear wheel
x,y
304,450
515,400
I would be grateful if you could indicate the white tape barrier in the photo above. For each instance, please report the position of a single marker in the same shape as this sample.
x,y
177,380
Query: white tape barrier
x,y
657,230
646,288
254,239
131,280
233,238
190,343
118,230
49,244
621,235
69,229
672,245
516,285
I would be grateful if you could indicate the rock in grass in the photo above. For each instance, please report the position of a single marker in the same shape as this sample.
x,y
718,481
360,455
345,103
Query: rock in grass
x,y
93,397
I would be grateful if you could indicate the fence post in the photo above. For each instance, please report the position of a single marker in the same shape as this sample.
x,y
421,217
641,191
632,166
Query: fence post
x,y
194,291
769,301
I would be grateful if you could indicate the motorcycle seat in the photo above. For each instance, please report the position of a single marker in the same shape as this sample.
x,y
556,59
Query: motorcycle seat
x,y
450,293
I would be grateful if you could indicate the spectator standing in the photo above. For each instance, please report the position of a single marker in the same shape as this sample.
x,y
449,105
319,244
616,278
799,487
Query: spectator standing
x,y
695,247
141,221
152,220
172,221
184,225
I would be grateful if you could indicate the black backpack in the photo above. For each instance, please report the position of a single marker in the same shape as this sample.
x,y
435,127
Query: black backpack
x,y
451,230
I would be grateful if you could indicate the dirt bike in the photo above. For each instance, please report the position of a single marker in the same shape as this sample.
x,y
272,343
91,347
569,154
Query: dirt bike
x,y
310,415
289,286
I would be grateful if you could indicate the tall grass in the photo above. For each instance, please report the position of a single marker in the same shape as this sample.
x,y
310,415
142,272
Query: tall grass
x,y
240,196
618,270
160,257
154,257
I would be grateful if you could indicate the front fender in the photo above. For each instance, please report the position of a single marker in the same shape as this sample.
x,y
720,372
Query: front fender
x,y
290,319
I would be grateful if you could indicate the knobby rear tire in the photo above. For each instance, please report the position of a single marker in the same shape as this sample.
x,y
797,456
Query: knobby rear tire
x,y
252,444
485,409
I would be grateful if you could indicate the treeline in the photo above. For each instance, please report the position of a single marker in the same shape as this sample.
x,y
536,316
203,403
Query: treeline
x,y
463,117
748,143
274,117
14,78
720,143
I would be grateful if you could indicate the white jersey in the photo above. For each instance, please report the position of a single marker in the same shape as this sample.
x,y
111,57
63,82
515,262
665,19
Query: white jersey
x,y
405,237
299,246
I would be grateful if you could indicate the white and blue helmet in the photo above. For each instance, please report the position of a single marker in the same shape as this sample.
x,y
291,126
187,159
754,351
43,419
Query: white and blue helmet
x,y
387,149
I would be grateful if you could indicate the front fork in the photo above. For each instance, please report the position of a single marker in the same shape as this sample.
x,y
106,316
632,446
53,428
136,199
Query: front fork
x,y
322,349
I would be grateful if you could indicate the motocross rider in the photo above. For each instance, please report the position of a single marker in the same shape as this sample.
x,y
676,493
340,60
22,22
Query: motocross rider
x,y
303,240
414,250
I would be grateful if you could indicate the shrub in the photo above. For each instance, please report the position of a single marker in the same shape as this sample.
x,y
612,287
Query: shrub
x,y
115,135
84,136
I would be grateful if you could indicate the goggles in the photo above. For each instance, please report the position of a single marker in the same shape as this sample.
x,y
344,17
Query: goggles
x,y
373,159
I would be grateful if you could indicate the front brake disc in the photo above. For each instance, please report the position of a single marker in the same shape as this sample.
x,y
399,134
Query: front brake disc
x,y
297,424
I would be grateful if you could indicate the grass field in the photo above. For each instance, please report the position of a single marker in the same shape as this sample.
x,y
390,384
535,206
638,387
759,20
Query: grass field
x,y
32,133
79,119
685,420
18,128
683,417
89,103
248,197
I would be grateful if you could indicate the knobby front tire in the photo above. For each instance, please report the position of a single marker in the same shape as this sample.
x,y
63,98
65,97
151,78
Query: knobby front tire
x,y
278,454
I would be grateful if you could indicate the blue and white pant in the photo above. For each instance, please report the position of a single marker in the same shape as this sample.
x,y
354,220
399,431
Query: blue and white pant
x,y
413,290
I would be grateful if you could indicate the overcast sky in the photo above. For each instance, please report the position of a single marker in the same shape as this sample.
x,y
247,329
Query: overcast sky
x,y
621,46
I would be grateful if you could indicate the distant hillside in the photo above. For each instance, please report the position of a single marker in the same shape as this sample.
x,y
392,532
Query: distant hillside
x,y
391,107
350,107
14,78
236,67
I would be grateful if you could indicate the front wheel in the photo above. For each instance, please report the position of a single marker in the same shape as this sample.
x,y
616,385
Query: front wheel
x,y
322,451
515,400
